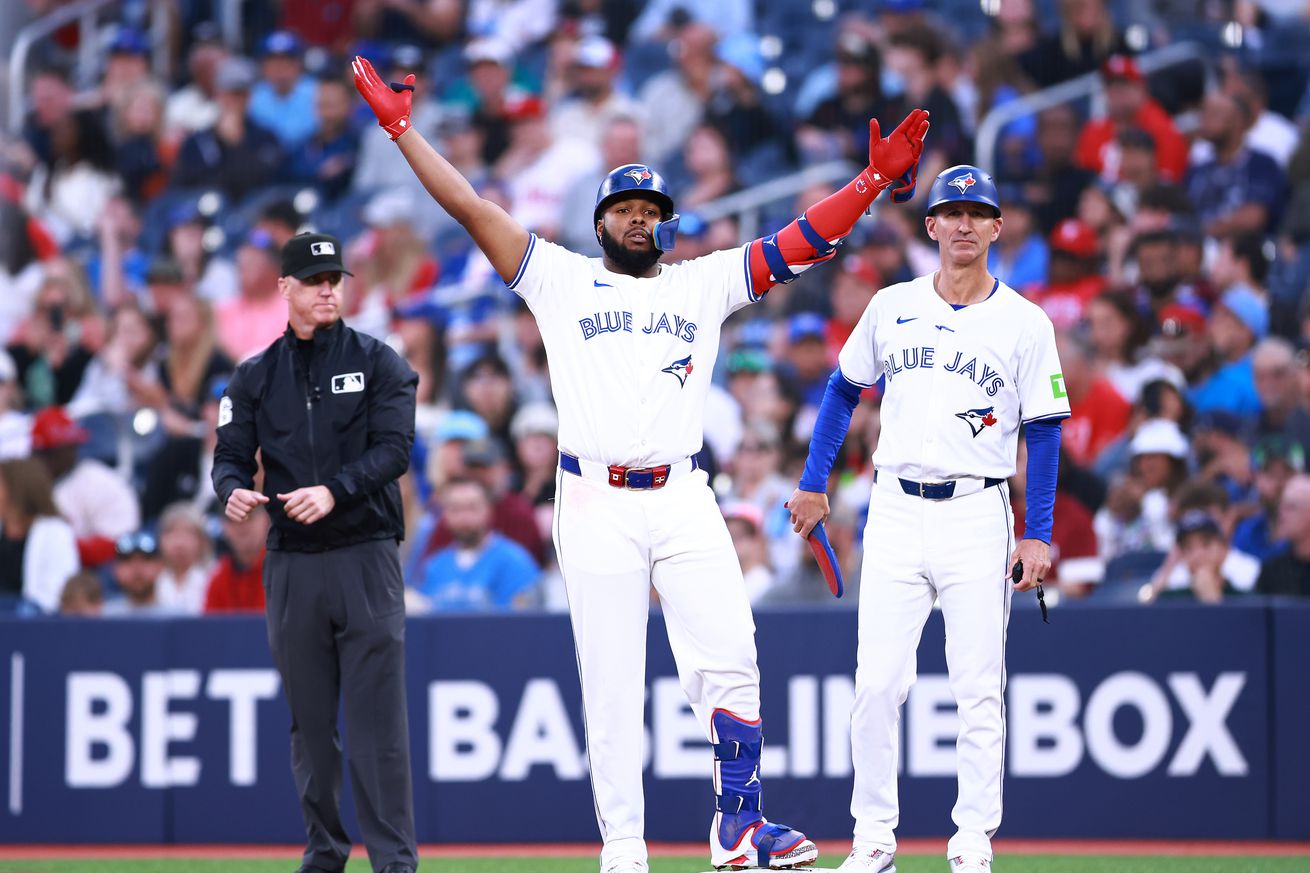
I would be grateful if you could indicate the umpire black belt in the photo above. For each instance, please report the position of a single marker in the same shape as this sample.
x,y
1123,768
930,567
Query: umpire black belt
x,y
631,478
943,490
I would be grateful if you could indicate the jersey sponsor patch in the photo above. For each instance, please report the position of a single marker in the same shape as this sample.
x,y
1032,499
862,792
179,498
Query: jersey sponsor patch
x,y
347,383
224,410
680,368
978,419
1057,386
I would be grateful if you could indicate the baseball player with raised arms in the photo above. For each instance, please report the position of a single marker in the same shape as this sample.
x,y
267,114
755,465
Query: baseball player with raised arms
x,y
631,344
966,360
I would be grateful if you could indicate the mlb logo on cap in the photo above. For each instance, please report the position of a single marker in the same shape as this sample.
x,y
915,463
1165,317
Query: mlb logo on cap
x,y
308,254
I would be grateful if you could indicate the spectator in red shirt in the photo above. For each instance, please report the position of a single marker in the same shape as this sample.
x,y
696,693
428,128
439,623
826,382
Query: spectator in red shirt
x,y
1074,276
1129,105
1099,412
238,581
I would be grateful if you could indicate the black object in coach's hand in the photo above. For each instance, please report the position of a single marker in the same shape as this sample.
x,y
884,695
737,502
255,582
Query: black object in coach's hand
x,y
1017,576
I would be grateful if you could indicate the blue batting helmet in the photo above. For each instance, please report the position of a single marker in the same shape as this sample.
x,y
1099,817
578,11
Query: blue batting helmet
x,y
963,182
630,179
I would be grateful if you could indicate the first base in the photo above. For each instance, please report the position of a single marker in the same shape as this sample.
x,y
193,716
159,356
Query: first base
x,y
795,869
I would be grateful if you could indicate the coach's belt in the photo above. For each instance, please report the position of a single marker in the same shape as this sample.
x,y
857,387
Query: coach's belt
x,y
634,478
943,490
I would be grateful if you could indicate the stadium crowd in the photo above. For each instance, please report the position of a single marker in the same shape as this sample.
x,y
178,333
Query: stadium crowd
x,y
1163,223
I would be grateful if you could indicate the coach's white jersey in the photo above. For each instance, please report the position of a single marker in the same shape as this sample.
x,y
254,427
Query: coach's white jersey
x,y
959,381
631,359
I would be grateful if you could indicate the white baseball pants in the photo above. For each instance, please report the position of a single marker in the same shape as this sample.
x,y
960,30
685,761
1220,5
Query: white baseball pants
x,y
613,545
955,551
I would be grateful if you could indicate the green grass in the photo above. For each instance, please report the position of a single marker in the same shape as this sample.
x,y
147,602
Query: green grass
x,y
691,864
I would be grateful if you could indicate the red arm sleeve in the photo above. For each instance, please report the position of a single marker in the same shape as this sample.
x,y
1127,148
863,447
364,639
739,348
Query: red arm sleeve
x,y
812,238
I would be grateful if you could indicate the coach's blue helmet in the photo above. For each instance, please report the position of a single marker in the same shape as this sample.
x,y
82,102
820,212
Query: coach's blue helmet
x,y
632,179
963,182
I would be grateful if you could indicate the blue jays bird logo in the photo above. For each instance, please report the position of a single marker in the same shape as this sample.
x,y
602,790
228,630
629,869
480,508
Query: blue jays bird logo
x,y
680,368
977,419
638,174
964,183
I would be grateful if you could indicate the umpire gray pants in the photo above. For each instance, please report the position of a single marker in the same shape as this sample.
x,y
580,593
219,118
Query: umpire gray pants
x,y
336,627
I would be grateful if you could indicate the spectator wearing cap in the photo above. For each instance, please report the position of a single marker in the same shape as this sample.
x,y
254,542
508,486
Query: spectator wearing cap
x,y
1271,132
1282,408
396,267
1240,190
1075,276
489,61
538,169
535,430
746,527
1237,323
809,359
15,425
97,502
186,245
1076,564
480,569
1098,412
853,288
187,556
737,108
1119,334
1288,573
1135,516
1183,340
257,316
326,158
236,584
136,571
1221,452
674,99
282,101
1056,185
838,125
236,155
1129,106
661,18
1276,460
1020,257
513,515
37,551
194,106
594,99
1202,566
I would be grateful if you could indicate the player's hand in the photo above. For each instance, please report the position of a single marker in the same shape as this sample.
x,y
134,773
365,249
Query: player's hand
x,y
896,154
390,103
308,505
1036,558
241,501
808,508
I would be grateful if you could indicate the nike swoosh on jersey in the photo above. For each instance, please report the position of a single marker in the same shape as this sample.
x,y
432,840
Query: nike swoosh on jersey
x,y
599,284
902,320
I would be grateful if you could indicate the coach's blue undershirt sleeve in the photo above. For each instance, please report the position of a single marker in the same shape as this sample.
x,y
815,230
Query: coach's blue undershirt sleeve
x,y
1043,441
839,400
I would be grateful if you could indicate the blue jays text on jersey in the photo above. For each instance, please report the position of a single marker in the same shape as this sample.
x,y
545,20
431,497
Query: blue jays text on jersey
x,y
980,373
620,320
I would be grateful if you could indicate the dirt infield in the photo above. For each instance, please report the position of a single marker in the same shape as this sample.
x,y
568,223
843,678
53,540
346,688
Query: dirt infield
x,y
558,850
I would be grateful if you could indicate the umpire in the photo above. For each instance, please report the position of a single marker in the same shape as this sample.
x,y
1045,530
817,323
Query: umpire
x,y
331,413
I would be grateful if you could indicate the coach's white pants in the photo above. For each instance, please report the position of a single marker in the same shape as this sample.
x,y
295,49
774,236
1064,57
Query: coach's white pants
x,y
613,545
958,552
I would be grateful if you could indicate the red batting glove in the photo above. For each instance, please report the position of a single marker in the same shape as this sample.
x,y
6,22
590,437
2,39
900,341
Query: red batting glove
x,y
390,103
894,155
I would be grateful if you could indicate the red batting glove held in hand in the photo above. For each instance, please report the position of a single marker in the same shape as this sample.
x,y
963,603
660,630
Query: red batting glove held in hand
x,y
896,156
390,103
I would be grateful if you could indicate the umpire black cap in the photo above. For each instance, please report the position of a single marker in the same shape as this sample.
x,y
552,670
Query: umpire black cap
x,y
307,254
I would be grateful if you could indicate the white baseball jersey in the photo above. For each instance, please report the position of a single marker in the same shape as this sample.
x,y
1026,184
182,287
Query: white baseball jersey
x,y
959,381
631,358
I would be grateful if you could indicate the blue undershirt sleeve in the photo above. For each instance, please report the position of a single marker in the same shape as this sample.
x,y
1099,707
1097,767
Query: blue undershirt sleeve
x,y
1043,441
839,400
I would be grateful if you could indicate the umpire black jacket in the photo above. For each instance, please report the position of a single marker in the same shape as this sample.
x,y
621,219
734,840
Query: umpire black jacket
x,y
341,416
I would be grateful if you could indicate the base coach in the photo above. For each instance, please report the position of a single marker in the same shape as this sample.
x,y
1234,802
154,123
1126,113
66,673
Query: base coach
x,y
331,413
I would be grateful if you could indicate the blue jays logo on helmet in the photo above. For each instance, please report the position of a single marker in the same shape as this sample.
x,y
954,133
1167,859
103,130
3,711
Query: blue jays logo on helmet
x,y
638,174
680,368
977,419
964,183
